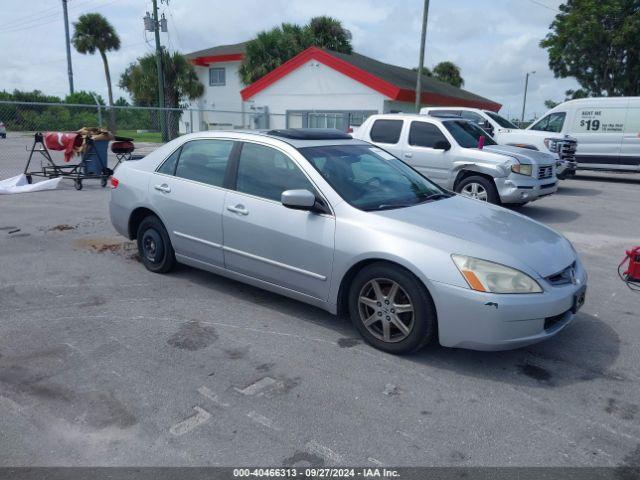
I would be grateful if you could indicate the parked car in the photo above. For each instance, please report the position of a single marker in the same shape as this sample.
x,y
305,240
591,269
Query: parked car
x,y
607,130
343,225
504,132
3,130
447,151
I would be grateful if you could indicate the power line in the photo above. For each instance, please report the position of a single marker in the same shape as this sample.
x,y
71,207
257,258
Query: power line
x,y
536,2
35,19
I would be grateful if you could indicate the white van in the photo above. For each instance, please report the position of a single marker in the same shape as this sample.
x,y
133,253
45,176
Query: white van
x,y
607,130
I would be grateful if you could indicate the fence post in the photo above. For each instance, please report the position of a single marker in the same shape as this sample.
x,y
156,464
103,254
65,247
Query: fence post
x,y
190,121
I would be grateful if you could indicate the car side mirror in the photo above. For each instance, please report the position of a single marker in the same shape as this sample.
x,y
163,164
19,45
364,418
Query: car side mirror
x,y
442,145
298,199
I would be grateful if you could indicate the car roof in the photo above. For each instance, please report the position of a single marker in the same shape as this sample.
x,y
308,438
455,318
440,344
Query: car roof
x,y
415,116
297,138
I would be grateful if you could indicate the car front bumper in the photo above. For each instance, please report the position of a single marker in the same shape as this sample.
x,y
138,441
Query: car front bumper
x,y
522,189
486,321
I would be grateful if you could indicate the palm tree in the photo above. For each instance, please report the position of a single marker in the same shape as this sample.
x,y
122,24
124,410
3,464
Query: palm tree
x,y
272,48
448,72
94,32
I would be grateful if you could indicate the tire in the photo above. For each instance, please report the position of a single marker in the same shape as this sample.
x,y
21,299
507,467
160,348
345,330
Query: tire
x,y
154,246
420,323
485,188
78,185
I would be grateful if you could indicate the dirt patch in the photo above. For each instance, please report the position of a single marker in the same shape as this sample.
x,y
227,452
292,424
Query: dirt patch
x,y
62,227
193,336
102,245
542,375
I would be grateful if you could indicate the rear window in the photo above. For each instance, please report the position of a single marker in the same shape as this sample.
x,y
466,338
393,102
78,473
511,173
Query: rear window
x,y
386,131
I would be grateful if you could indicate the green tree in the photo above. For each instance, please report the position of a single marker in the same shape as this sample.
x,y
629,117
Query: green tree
x,y
272,48
84,98
94,32
551,104
596,42
181,83
448,72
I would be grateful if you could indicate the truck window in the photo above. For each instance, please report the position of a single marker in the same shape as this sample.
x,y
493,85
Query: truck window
x,y
423,134
386,131
473,116
500,120
467,134
445,113
551,123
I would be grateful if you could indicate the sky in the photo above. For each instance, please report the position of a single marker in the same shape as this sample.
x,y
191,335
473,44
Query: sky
x,y
494,42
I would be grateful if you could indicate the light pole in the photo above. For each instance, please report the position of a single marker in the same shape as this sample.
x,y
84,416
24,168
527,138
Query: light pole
x,y
524,101
423,37
66,35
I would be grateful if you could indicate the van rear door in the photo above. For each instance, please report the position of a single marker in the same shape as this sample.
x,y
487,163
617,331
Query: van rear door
x,y
630,149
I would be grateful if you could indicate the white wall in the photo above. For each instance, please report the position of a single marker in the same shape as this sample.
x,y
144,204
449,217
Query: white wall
x,y
222,98
314,86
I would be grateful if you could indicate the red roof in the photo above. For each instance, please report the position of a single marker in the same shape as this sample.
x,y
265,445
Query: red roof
x,y
391,81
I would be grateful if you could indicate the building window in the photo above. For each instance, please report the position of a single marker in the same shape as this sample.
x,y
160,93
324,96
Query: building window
x,y
217,77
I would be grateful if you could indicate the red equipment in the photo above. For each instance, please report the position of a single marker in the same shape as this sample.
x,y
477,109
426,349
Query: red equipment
x,y
631,276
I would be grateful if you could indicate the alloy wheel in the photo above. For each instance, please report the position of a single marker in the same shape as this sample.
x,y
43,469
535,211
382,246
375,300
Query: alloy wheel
x,y
386,310
475,190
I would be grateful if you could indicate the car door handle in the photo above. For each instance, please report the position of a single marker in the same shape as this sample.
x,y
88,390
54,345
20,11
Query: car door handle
x,y
408,155
163,188
238,209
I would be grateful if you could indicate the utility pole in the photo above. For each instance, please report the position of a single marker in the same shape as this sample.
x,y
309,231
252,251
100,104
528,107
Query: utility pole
x,y
524,101
66,33
156,29
423,38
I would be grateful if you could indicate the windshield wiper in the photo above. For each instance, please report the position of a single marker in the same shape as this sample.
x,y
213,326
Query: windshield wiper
x,y
436,196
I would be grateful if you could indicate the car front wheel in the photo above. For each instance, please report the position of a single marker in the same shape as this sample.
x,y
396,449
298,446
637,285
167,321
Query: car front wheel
x,y
154,246
480,188
391,309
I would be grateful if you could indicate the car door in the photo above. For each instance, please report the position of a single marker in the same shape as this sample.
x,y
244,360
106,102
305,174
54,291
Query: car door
x,y
630,151
187,192
423,151
268,241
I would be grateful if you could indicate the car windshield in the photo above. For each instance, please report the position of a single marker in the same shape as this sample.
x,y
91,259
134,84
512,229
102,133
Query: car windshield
x,y
467,134
369,178
503,122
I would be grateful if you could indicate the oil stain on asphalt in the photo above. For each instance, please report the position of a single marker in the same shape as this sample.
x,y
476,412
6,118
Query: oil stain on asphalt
x,y
542,375
192,336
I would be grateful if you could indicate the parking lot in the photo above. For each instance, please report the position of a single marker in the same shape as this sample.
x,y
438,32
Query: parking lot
x,y
105,363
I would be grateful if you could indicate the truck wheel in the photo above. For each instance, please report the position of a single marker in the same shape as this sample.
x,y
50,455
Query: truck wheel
x,y
479,188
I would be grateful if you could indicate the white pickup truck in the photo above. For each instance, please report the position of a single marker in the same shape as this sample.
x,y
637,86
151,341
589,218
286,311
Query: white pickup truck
x,y
563,147
458,155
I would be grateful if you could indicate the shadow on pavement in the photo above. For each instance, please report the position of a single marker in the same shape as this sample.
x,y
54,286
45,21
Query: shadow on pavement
x,y
611,178
584,351
547,214
575,191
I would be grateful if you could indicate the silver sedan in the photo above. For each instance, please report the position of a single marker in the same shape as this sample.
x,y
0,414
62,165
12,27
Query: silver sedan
x,y
345,226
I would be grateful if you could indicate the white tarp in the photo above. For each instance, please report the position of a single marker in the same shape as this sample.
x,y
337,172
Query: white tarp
x,y
19,184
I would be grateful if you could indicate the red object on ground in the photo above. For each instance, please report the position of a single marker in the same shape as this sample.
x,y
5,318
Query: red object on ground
x,y
62,141
633,271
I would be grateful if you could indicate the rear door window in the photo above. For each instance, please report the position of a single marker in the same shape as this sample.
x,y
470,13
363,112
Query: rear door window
x,y
424,134
168,167
204,161
386,131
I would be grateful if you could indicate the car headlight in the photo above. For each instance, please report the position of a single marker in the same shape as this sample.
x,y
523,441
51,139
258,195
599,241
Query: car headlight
x,y
522,169
551,144
485,276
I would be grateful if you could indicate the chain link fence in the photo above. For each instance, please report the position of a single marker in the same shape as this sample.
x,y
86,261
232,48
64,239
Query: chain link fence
x,y
148,127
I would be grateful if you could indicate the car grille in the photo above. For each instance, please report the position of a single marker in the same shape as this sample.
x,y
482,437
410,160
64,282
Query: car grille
x,y
545,172
567,150
564,277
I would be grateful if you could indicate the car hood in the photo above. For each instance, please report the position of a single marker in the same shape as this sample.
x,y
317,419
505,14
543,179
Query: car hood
x,y
489,232
523,155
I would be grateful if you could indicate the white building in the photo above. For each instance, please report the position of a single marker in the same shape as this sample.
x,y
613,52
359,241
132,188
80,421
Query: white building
x,y
316,88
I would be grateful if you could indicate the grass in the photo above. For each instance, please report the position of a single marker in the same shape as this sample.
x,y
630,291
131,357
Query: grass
x,y
152,137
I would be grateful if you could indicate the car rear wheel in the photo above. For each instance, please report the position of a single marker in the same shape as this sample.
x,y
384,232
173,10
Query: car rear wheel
x,y
391,309
480,188
154,246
